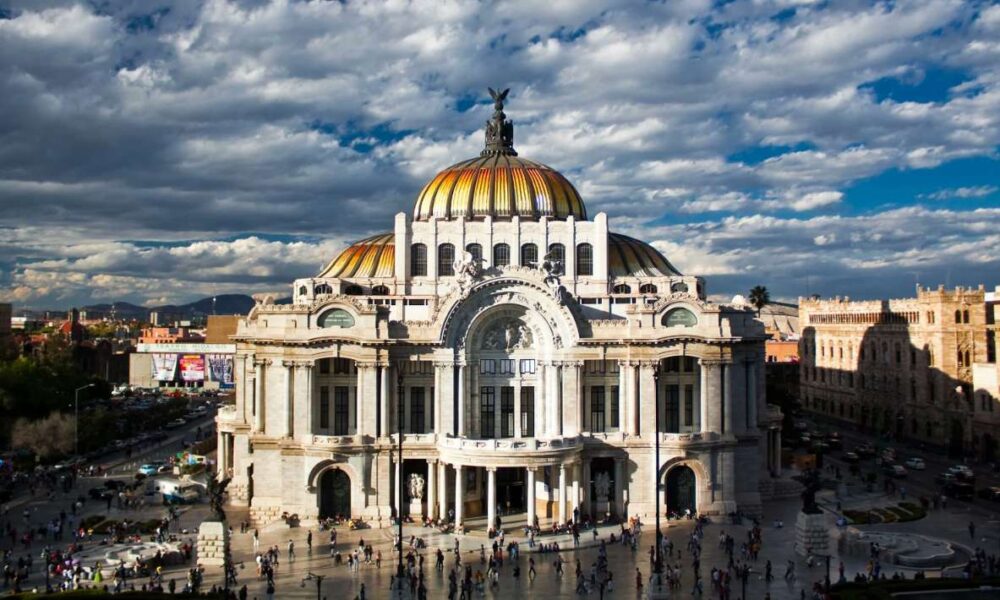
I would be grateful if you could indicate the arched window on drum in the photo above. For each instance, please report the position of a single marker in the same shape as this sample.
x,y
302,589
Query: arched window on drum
x,y
680,317
418,260
584,260
446,260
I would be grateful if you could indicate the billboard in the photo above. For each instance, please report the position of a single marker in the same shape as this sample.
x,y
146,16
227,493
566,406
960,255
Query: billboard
x,y
164,367
220,369
192,367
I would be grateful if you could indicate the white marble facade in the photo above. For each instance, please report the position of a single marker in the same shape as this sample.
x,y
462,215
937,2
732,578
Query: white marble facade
x,y
525,385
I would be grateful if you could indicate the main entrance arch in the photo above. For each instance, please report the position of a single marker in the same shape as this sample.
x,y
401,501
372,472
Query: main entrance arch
x,y
681,490
334,494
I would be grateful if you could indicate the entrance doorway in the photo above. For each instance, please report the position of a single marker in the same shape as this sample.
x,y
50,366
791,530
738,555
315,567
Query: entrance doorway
x,y
511,491
334,494
681,490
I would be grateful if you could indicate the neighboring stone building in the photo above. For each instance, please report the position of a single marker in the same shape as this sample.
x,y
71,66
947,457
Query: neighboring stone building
x,y
903,366
526,347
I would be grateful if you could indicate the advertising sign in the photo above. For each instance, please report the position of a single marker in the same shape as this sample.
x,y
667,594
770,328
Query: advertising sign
x,y
220,369
193,367
164,367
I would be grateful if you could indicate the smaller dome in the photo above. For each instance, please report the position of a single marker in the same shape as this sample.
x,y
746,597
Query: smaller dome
x,y
374,256
629,257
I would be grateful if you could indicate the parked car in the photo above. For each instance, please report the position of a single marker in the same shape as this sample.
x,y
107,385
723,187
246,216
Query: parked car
x,y
916,463
865,450
945,478
898,471
836,443
851,458
176,423
960,490
990,493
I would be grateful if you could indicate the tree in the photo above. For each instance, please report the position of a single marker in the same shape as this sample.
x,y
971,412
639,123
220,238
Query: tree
x,y
49,437
759,297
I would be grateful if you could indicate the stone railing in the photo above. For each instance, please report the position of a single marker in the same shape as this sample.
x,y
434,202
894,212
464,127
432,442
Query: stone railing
x,y
510,445
681,438
415,439
227,413
334,440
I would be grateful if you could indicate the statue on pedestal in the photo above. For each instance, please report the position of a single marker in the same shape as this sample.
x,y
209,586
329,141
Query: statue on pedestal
x,y
216,496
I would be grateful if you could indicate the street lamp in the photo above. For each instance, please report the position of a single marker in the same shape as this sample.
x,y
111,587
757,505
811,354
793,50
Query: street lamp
x,y
310,576
76,417
658,560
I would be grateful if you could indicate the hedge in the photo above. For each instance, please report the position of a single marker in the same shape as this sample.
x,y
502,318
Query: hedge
x,y
884,590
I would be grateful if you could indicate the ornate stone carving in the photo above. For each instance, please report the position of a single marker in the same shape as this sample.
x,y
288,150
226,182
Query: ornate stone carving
x,y
415,486
508,334
467,271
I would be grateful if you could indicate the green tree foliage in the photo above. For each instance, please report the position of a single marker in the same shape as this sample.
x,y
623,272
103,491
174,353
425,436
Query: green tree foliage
x,y
759,297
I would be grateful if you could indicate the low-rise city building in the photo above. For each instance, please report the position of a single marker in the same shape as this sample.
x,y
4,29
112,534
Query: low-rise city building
x,y
919,368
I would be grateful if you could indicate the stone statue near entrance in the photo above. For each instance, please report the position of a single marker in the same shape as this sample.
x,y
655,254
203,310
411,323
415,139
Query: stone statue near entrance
x,y
416,486
602,486
812,532
467,270
213,535
216,491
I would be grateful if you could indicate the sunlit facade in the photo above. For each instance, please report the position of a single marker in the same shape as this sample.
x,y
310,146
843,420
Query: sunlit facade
x,y
525,348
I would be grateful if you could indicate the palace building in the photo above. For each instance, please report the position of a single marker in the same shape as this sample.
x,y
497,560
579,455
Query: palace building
x,y
523,351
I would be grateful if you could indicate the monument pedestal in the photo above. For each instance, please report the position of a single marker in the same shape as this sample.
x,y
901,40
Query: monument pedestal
x,y
213,544
602,509
654,591
812,534
416,509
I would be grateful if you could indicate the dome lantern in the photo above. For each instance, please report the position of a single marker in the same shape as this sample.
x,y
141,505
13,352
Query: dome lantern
x,y
498,183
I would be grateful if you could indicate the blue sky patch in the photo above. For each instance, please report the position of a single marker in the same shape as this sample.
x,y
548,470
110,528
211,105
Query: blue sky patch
x,y
930,85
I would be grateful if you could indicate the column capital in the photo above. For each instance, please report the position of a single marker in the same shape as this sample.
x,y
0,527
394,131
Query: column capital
x,y
366,364
442,364
289,363
262,362
432,462
713,362
491,469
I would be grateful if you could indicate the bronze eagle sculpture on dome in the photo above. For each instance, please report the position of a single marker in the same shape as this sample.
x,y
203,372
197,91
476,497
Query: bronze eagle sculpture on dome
x,y
499,131
498,97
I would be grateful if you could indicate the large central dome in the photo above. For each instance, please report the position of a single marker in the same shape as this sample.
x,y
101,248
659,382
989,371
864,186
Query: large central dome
x,y
499,184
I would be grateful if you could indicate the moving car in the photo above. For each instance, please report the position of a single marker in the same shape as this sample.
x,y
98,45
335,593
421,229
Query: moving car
x,y
176,423
916,463
990,493
176,491
898,471
960,490
153,468
851,458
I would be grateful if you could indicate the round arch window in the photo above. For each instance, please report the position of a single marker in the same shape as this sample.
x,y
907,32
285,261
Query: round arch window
x,y
336,317
680,317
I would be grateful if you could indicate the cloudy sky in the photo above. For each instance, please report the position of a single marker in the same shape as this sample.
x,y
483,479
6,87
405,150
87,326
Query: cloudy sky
x,y
155,151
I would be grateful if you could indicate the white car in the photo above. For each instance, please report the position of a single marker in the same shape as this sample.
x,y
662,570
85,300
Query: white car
x,y
898,471
915,463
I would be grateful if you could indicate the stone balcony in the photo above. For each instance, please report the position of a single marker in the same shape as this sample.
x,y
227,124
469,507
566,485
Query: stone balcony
x,y
508,452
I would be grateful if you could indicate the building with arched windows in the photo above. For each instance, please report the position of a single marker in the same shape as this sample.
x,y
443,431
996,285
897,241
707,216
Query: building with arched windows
x,y
529,356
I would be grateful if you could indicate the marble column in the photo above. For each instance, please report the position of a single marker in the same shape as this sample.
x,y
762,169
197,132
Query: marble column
x,y
541,400
726,373
623,415
552,401
710,396
491,497
289,425
385,390
572,423
432,488
587,506
259,387
517,408
619,498
751,391
531,496
648,397
302,418
442,482
461,400
562,493
633,400
223,455
575,505
459,495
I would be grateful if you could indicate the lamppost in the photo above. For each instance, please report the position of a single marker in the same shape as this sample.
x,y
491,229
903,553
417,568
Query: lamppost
x,y
399,492
310,576
657,560
76,417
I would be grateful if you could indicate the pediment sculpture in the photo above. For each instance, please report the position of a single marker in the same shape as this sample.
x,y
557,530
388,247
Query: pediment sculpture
x,y
508,335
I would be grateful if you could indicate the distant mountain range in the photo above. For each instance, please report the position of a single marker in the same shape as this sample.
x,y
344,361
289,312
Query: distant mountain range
x,y
224,304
